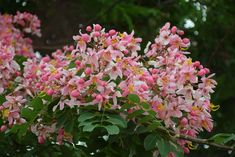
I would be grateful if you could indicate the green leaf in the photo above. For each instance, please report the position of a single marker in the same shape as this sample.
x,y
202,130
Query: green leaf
x,y
112,129
222,138
135,114
177,149
163,146
79,73
72,65
63,117
89,128
44,96
133,98
20,130
152,113
20,60
141,129
118,120
28,114
145,105
84,123
23,129
36,103
2,99
69,125
153,125
127,106
85,116
150,141
147,118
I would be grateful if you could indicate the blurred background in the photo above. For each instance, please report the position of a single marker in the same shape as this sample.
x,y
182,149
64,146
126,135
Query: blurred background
x,y
210,24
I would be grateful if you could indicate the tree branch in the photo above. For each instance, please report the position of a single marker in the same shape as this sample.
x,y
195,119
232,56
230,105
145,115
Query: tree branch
x,y
205,141
196,140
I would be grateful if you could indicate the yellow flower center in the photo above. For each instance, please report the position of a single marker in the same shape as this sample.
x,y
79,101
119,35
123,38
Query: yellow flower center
x,y
5,113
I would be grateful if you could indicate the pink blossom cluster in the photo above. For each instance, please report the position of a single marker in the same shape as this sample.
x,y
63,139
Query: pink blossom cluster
x,y
182,87
105,67
11,111
13,30
106,71
8,67
12,43
28,23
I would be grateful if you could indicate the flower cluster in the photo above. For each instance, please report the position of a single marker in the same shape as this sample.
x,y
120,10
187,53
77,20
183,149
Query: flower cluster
x,y
106,71
104,67
8,67
182,86
12,43
28,23
13,30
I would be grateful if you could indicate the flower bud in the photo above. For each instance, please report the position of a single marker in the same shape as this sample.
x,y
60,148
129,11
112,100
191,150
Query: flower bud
x,y
75,93
46,59
180,32
138,40
50,92
186,40
171,154
3,128
186,150
78,62
174,29
196,64
99,97
144,87
85,37
80,81
202,72
38,85
112,32
207,70
96,34
1,107
150,80
41,139
88,28
97,27
184,121
125,52
88,71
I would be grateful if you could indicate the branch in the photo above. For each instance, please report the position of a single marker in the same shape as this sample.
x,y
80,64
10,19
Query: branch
x,y
205,141
196,140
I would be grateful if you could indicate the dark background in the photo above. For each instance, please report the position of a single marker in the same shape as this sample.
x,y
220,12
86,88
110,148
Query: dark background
x,y
212,36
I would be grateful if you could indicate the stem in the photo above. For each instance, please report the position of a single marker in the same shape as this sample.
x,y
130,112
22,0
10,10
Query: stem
x,y
205,141
196,140
102,117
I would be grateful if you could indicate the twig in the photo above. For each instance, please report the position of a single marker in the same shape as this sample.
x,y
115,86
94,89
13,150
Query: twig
x,y
205,141
196,140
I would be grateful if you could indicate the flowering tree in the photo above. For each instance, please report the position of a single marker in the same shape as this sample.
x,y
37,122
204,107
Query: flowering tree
x,y
103,98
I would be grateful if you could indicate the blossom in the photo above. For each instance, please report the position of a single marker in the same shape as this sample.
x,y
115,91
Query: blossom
x,y
102,69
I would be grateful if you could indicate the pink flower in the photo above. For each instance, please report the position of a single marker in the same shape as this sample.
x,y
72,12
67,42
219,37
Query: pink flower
x,y
164,37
